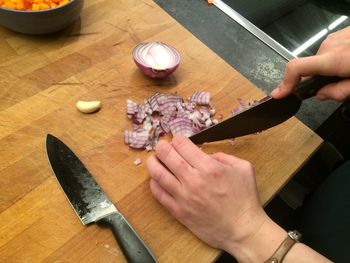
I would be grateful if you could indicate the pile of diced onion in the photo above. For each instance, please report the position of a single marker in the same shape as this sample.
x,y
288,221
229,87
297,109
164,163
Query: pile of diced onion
x,y
161,114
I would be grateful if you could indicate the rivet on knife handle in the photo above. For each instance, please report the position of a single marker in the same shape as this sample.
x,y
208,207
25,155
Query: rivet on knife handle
x,y
134,249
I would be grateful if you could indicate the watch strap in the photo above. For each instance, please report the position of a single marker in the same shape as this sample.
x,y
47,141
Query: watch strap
x,y
280,253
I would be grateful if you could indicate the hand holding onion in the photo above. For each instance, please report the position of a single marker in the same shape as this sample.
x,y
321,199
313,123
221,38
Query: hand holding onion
x,y
156,59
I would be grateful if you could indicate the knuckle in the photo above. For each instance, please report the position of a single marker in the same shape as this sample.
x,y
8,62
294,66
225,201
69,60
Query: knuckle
x,y
326,43
218,154
338,54
196,190
162,148
323,46
194,187
179,140
160,196
155,170
210,167
158,174
191,184
183,166
214,169
248,166
331,37
341,94
150,163
155,191
179,213
292,64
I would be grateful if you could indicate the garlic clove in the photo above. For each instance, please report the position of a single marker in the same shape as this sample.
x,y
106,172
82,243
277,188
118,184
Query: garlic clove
x,y
138,161
88,106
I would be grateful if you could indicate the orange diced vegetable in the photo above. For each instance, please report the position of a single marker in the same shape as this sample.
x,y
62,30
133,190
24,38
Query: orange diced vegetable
x,y
32,4
35,7
20,5
9,5
63,2
43,6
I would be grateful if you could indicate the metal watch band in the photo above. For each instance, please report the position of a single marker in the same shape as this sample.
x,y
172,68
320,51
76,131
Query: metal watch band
x,y
280,253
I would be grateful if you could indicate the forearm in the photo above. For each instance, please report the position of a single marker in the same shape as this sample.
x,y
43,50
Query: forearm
x,y
264,243
302,253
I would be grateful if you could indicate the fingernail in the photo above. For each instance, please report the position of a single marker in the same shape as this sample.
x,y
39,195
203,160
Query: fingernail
x,y
321,96
275,92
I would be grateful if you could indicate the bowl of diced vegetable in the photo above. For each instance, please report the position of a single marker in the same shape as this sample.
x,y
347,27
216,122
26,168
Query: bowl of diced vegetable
x,y
38,17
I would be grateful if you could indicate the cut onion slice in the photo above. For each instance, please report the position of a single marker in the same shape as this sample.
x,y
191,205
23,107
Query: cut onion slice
x,y
200,97
181,126
156,59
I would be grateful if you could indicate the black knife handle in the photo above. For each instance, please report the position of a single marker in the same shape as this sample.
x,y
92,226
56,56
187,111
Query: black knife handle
x,y
310,86
133,247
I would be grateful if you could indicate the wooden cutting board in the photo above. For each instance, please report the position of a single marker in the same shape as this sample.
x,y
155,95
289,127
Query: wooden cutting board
x,y
42,77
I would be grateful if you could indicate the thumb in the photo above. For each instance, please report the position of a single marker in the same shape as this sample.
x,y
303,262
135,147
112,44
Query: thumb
x,y
339,91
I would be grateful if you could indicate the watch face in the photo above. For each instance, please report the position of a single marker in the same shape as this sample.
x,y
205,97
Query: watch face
x,y
295,235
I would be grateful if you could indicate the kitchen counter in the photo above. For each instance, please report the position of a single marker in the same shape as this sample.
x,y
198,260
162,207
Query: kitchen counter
x,y
42,78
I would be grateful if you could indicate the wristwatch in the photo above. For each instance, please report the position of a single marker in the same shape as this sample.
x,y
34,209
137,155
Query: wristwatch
x,y
280,253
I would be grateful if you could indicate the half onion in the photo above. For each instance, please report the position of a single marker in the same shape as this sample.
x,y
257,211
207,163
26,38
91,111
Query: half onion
x,y
156,59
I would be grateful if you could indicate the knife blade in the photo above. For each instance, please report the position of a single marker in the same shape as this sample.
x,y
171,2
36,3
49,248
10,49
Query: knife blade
x,y
90,202
266,114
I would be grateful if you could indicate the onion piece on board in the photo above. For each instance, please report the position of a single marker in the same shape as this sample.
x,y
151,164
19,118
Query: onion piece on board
x,y
161,114
156,59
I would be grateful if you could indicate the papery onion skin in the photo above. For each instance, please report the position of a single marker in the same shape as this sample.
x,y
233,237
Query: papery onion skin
x,y
152,72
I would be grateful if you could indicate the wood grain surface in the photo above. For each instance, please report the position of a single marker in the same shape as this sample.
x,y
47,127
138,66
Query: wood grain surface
x,y
41,79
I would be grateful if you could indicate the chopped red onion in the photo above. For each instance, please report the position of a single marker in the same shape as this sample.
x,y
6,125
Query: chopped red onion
x,y
138,161
156,59
156,100
138,139
248,105
200,98
149,148
208,123
181,126
131,108
161,114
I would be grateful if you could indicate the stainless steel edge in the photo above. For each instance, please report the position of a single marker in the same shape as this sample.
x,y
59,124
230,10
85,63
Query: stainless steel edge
x,y
257,32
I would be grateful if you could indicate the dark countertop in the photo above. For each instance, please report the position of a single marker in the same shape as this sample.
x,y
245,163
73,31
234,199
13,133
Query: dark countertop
x,y
239,48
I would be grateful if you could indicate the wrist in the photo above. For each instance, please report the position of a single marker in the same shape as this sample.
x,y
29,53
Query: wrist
x,y
258,246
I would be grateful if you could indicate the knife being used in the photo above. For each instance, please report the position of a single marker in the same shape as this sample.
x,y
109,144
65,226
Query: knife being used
x,y
91,203
268,113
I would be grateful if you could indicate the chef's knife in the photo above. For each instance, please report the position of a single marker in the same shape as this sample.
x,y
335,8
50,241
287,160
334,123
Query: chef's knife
x,y
268,113
91,203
